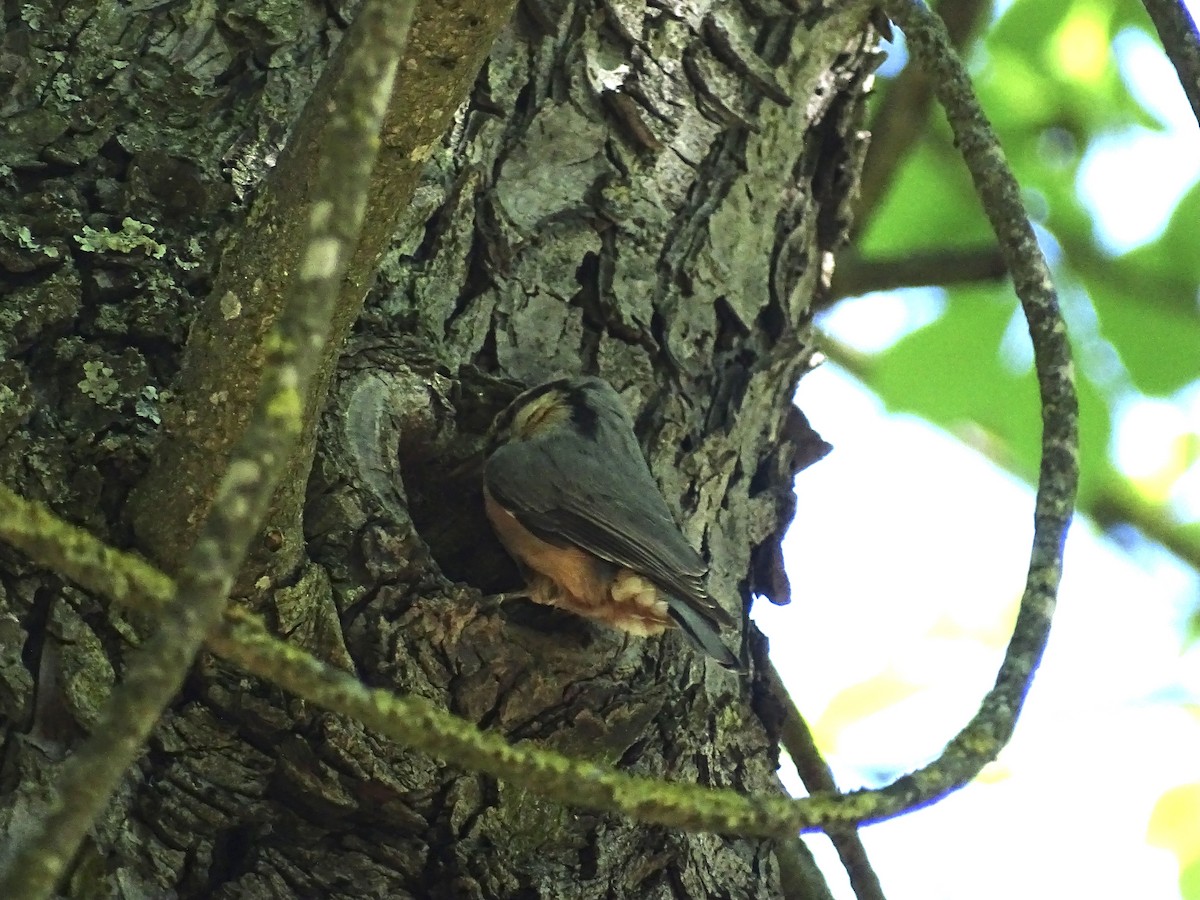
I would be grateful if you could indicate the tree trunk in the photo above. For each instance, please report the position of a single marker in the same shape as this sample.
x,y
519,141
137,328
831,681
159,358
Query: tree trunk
x,y
650,193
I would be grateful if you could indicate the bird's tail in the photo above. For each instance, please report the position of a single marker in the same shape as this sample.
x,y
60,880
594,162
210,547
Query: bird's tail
x,y
703,634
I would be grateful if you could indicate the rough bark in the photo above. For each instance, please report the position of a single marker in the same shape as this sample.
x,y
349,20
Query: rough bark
x,y
645,193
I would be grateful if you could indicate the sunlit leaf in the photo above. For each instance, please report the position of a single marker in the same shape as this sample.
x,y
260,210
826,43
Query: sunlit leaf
x,y
1189,881
1175,822
1168,269
951,372
858,702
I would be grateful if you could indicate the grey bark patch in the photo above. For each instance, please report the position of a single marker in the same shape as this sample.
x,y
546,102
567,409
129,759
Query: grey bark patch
x,y
552,171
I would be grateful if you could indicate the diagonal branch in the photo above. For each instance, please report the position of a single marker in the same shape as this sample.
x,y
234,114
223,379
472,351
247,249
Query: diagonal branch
x,y
1178,34
227,343
797,740
157,670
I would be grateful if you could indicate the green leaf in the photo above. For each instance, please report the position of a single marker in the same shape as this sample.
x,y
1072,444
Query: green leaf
x,y
951,373
931,204
1175,258
954,373
1159,347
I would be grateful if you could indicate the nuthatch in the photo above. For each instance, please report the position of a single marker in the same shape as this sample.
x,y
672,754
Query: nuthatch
x,y
571,498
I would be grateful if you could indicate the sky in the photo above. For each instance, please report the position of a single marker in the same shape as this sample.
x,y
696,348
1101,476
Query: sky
x,y
887,660
920,631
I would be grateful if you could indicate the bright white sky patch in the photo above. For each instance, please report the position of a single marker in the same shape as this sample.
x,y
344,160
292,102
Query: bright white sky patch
x,y
1132,180
874,322
911,551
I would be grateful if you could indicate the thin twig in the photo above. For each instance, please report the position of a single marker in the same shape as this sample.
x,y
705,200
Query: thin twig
x,y
156,671
1178,34
797,740
855,275
1121,504
992,726
800,878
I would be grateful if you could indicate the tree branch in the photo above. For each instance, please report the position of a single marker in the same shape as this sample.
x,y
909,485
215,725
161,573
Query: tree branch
x,y
1120,505
800,878
413,721
156,671
855,275
798,741
992,726
226,346
1177,32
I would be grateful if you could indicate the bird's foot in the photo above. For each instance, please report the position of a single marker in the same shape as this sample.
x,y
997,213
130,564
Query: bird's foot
x,y
492,602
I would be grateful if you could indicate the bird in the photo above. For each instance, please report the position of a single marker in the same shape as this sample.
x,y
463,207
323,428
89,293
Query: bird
x,y
570,496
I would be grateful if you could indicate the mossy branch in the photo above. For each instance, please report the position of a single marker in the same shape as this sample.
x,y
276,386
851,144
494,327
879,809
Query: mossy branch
x,y
225,354
992,726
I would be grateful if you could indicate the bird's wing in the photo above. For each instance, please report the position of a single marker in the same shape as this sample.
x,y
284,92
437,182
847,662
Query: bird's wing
x,y
605,505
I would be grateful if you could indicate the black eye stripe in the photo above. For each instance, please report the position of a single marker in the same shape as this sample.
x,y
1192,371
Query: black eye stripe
x,y
504,418
583,415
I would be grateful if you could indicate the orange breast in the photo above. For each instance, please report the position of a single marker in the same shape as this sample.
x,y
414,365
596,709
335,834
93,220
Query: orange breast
x,y
575,571
573,579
